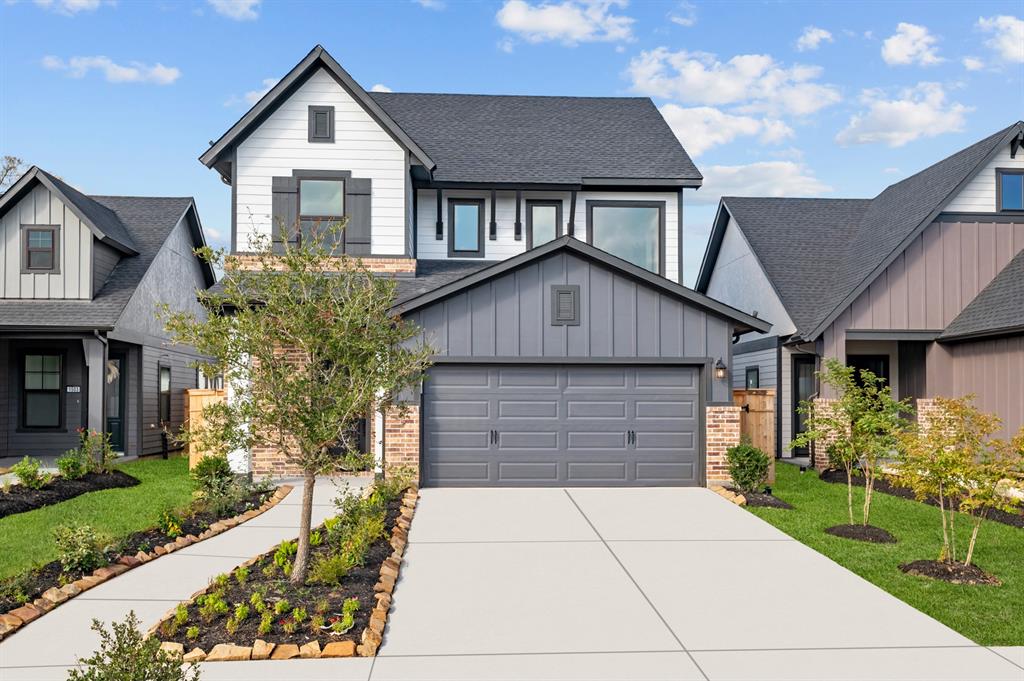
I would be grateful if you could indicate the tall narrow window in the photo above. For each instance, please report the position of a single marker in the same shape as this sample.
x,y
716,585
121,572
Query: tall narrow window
x,y
40,249
466,228
543,222
631,230
41,391
1010,189
753,378
165,394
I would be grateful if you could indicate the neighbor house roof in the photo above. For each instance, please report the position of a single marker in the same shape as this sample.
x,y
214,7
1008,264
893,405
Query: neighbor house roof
x,y
997,310
820,254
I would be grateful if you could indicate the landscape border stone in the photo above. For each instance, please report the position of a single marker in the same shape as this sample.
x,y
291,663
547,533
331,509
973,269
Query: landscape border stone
x,y
728,494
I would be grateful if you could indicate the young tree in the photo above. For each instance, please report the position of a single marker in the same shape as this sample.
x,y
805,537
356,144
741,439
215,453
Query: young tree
x,y
308,341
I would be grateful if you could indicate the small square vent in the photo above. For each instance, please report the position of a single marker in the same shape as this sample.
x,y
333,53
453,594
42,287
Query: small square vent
x,y
565,305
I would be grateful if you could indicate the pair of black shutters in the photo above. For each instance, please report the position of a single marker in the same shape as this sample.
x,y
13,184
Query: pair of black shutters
x,y
355,239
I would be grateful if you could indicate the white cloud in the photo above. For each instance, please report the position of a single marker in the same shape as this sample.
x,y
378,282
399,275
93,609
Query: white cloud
x,y
239,10
507,45
703,127
972,63
891,170
812,38
685,15
920,111
436,5
756,81
765,178
570,22
213,233
911,44
1007,36
133,72
71,7
380,87
252,96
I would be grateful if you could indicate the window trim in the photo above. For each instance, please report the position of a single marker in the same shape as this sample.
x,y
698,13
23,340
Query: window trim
x,y
61,410
55,248
756,371
533,203
160,393
608,203
313,110
481,244
1000,172
556,290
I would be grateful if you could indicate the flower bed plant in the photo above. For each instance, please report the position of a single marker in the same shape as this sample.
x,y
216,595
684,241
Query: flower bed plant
x,y
338,611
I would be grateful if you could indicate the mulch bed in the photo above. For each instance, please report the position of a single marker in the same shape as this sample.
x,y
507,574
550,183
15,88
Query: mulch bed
x,y
887,487
868,533
954,573
15,590
766,501
358,583
19,498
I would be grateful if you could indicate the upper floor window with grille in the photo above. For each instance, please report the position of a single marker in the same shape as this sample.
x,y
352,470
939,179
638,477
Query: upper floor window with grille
x,y
42,391
165,394
40,249
321,123
1010,189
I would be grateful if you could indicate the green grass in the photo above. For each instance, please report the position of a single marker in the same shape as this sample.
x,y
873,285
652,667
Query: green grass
x,y
989,615
25,538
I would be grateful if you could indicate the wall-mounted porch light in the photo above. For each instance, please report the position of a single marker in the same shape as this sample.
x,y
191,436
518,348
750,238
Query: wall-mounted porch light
x,y
720,369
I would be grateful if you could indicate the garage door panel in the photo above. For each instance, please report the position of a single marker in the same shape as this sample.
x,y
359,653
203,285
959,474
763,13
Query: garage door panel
x,y
592,471
595,378
658,377
448,439
579,409
664,409
667,440
528,471
462,409
596,440
461,377
527,440
659,472
462,472
537,409
531,377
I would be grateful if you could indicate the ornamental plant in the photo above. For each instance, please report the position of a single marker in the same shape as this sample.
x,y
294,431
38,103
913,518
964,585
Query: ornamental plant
x,y
30,473
126,655
748,466
79,548
311,344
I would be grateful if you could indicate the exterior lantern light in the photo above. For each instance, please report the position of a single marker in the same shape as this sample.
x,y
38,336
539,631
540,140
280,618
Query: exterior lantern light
x,y
720,369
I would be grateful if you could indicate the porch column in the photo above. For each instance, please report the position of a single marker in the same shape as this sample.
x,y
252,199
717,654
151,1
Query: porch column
x,y
93,350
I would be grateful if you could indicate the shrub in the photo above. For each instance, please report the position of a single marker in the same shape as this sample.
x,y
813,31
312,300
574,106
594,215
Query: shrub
x,y
170,524
241,575
71,465
748,466
212,473
192,633
181,614
266,623
212,606
282,606
299,615
241,612
30,473
126,655
329,569
79,548
257,603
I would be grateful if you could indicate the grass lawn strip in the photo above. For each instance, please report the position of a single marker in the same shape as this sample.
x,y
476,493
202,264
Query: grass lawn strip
x,y
21,499
989,615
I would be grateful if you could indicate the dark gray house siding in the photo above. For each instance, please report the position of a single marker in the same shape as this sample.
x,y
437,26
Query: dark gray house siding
x,y
104,260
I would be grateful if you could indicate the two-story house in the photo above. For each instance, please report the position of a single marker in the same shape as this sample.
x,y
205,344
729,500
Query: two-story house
x,y
81,279
923,284
538,243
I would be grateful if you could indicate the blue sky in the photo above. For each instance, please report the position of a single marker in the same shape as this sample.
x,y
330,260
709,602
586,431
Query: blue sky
x,y
770,98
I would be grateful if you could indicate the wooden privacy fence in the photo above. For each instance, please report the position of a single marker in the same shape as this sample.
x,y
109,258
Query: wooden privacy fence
x,y
195,401
757,421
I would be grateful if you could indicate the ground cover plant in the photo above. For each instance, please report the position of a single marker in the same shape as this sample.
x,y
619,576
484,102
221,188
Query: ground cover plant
x,y
333,603
989,615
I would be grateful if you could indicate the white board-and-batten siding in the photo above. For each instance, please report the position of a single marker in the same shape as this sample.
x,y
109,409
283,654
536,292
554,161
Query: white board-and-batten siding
x,y
429,247
74,250
979,194
281,144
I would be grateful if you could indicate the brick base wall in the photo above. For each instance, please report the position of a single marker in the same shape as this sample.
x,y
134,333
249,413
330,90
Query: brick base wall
x,y
402,438
927,411
721,431
822,405
244,261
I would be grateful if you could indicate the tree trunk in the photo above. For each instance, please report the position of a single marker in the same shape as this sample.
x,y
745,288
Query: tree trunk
x,y
300,568
849,492
869,486
952,532
945,532
974,536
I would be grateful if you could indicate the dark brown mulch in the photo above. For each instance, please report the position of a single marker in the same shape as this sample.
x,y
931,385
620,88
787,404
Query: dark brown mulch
x,y
358,583
887,487
869,533
15,591
19,498
765,500
954,573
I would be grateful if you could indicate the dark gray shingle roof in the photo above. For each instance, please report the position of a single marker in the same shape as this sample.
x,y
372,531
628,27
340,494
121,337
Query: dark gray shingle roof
x,y
433,274
102,217
999,308
149,221
510,138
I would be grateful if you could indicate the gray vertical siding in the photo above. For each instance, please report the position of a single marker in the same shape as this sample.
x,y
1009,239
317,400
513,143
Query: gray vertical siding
x,y
509,316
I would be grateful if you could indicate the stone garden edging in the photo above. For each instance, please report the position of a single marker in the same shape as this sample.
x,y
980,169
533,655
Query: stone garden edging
x,y
15,619
371,638
729,495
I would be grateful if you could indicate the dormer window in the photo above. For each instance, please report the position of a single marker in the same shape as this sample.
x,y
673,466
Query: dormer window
x,y
321,124
40,249
1009,189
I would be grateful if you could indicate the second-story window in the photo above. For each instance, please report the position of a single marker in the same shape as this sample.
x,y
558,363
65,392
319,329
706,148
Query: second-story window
x,y
1010,189
321,203
466,228
543,222
40,249
631,230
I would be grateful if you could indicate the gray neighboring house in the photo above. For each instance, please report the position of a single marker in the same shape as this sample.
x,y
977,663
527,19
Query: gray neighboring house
x,y
80,343
922,284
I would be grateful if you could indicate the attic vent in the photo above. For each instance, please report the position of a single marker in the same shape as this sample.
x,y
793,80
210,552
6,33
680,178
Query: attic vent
x,y
565,305
321,123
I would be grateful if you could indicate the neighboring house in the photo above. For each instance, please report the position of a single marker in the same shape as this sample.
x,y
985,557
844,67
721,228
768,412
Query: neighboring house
x,y
81,278
537,240
923,284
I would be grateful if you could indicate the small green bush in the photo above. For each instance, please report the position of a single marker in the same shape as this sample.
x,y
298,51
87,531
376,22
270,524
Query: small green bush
x,y
192,633
329,569
71,465
266,623
282,606
30,473
126,655
170,524
212,475
79,548
748,467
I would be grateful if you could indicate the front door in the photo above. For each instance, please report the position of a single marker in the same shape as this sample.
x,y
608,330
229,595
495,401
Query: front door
x,y
115,378
876,364
803,389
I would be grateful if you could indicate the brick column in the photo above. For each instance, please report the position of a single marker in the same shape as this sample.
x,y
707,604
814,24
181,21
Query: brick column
x,y
927,411
822,405
721,431
402,438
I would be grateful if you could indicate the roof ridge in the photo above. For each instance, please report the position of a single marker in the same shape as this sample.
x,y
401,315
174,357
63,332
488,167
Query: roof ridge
x,y
136,196
506,94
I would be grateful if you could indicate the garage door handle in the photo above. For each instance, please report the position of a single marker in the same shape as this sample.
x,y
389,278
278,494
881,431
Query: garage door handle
x,y
632,437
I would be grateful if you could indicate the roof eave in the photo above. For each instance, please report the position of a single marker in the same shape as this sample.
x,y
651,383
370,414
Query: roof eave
x,y
982,335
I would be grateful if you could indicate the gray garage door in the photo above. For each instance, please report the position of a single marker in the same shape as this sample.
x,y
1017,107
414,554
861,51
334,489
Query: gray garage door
x,y
561,425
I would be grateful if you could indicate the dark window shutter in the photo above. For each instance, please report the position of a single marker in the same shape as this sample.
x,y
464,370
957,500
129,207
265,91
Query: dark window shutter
x,y
285,209
357,201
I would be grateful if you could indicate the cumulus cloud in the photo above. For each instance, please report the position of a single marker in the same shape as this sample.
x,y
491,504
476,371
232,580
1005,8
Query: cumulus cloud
x,y
380,87
812,38
252,96
921,111
1007,36
71,7
703,127
437,5
239,10
754,82
765,178
569,22
972,63
911,44
133,72
684,15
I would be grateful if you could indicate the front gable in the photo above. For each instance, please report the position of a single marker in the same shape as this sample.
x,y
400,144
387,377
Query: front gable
x,y
979,194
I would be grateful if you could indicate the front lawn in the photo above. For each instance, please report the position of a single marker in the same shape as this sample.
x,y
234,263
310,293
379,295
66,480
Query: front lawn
x,y
989,615
26,539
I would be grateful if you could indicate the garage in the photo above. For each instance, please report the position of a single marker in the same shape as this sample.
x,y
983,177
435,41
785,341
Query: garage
x,y
562,425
